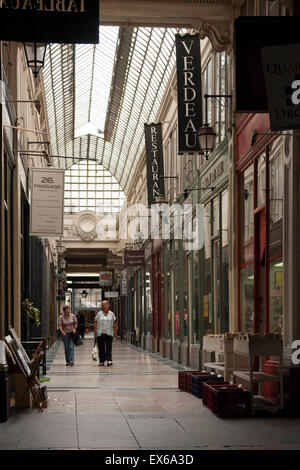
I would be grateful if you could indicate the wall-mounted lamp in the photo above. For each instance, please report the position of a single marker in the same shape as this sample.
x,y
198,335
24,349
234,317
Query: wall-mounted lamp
x,y
62,263
206,138
60,249
187,191
206,135
35,53
84,294
255,134
246,194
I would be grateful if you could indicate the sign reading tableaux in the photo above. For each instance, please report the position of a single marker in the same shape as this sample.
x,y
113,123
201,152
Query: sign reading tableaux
x,y
189,92
155,162
47,202
281,65
134,258
50,21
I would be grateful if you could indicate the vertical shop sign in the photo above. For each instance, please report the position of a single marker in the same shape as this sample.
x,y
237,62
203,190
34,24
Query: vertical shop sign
x,y
47,202
188,59
124,283
155,162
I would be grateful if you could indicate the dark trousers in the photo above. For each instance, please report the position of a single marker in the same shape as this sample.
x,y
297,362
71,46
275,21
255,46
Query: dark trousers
x,y
104,347
81,330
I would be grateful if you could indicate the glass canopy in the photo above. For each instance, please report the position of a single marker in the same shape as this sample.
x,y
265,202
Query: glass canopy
x,y
99,97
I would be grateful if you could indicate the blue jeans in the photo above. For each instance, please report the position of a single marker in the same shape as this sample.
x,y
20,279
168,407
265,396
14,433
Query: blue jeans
x,y
69,348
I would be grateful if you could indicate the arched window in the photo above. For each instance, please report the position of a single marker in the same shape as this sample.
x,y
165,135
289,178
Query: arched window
x,y
88,186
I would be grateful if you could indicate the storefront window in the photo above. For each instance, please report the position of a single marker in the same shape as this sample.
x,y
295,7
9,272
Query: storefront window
x,y
215,216
261,179
148,292
247,298
207,299
176,282
185,294
225,264
247,214
275,236
196,290
167,290
276,298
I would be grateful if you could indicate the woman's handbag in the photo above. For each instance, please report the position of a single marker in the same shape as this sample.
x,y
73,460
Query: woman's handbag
x,y
95,351
76,339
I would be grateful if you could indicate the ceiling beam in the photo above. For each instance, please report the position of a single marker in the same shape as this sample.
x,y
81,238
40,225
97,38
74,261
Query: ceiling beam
x,y
163,13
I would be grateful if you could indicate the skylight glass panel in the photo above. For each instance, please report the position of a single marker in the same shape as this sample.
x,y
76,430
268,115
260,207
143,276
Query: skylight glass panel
x,y
94,66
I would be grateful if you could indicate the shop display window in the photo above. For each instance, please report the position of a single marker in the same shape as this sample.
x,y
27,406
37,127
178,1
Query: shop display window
x,y
261,262
247,298
148,293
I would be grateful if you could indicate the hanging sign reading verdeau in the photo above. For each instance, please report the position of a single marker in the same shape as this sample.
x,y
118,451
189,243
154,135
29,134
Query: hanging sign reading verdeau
x,y
188,61
155,162
50,21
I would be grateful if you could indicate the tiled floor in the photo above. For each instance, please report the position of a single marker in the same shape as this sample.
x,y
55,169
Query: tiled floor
x,y
135,404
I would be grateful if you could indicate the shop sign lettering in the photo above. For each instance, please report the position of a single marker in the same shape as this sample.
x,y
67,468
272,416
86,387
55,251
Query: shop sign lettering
x,y
50,21
282,78
155,165
189,92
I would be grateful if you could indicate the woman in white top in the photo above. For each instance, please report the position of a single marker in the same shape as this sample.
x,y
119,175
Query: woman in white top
x,y
105,329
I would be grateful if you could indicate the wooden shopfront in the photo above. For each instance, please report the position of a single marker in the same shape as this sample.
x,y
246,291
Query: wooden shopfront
x,y
259,166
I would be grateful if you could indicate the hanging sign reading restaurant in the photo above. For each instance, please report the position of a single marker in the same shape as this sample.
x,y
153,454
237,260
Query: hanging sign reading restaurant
x,y
155,162
50,21
189,92
47,202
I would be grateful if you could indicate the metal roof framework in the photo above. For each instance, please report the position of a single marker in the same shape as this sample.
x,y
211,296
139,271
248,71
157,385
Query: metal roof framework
x,y
99,96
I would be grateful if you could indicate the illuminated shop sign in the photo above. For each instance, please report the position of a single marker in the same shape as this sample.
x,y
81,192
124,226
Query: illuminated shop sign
x,y
188,61
50,21
155,162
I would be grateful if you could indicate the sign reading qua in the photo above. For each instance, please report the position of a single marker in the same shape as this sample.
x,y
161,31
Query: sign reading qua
x,y
189,92
281,65
50,21
47,202
155,162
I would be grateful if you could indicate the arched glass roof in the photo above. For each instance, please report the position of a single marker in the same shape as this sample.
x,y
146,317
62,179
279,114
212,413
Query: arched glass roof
x,y
99,96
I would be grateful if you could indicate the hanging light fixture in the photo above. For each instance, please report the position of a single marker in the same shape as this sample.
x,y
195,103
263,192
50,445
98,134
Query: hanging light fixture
x,y
60,249
62,263
84,294
35,53
206,137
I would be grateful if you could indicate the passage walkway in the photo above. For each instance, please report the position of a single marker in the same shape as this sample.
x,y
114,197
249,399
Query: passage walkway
x,y
135,404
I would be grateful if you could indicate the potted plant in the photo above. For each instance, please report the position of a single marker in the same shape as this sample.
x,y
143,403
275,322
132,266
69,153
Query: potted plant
x,y
32,314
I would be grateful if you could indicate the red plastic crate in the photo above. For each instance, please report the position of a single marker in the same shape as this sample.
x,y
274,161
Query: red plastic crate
x,y
182,374
231,403
207,389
